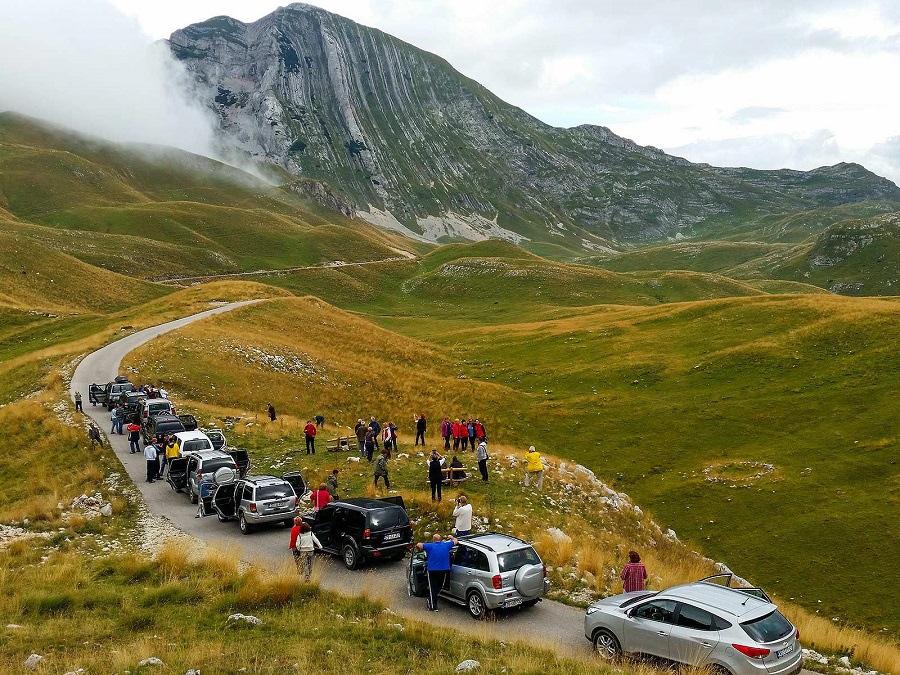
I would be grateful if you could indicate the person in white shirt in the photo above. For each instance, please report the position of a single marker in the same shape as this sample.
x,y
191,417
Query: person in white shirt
x,y
463,515
152,461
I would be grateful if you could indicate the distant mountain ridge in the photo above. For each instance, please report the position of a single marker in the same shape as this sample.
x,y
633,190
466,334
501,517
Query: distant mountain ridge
x,y
418,147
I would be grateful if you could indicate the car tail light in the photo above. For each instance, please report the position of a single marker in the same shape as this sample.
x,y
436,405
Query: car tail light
x,y
296,501
367,533
497,581
752,652
252,507
797,633
545,571
376,553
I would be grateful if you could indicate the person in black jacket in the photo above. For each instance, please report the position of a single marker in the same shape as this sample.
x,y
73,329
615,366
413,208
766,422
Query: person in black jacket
x,y
420,429
435,475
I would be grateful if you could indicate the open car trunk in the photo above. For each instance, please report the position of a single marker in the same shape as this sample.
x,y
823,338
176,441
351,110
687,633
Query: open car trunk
x,y
242,459
297,482
189,422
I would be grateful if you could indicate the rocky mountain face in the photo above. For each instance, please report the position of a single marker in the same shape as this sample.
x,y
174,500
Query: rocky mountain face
x,y
413,145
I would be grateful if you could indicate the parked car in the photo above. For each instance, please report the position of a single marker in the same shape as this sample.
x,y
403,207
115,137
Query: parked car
x,y
216,437
159,425
487,572
186,472
155,406
360,530
131,400
732,631
192,441
257,500
115,389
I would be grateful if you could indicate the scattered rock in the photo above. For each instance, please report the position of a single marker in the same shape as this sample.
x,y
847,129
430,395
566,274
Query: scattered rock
x,y
75,672
844,661
245,617
192,671
106,510
32,661
13,626
467,665
151,661
353,459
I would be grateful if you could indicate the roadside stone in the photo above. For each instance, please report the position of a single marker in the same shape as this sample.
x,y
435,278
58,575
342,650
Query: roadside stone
x,y
844,661
106,510
245,617
467,665
151,661
32,661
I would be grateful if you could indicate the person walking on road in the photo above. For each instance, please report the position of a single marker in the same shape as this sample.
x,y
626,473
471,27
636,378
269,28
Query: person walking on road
x,y
481,454
134,435
78,407
381,469
303,545
420,429
438,552
634,574
94,436
310,431
463,515
150,454
271,410
435,475
534,468
331,484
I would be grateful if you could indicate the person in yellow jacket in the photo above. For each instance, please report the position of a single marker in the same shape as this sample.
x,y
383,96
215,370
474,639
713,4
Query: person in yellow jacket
x,y
173,451
534,468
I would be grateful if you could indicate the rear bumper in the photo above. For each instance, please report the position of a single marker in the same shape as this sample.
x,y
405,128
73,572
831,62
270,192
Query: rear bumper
x,y
386,551
261,519
509,597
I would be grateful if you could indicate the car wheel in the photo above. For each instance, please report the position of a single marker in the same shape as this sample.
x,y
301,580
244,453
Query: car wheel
x,y
350,556
192,496
475,605
246,528
606,645
719,670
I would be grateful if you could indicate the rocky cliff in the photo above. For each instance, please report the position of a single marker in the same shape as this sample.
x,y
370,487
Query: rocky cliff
x,y
420,148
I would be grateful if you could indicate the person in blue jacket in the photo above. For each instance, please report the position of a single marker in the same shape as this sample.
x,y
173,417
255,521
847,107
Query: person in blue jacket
x,y
438,566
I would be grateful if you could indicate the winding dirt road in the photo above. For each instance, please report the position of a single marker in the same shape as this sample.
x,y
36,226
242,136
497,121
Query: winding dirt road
x,y
549,624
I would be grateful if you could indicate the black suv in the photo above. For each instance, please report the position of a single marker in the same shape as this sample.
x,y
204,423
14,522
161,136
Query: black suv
x,y
160,425
363,529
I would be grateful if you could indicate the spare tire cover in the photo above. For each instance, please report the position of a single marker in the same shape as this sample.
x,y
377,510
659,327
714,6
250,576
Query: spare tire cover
x,y
530,580
224,476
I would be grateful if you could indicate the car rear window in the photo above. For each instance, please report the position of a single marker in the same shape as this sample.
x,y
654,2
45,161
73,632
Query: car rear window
x,y
155,408
196,445
169,427
513,560
273,492
768,628
380,518
213,465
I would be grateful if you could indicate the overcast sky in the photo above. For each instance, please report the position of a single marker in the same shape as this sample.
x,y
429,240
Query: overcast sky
x,y
761,83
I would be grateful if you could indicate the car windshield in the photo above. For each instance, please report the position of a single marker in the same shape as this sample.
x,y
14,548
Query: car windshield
x,y
381,518
768,628
213,465
513,560
273,492
196,445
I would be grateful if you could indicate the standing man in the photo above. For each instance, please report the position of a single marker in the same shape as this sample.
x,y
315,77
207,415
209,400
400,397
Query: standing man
x,y
332,485
310,431
481,454
463,515
534,468
376,430
420,429
381,469
114,419
152,462
271,410
173,451
435,475
438,565
78,402
134,435
360,430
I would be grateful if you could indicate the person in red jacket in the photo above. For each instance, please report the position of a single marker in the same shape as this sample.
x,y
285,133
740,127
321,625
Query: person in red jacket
x,y
479,431
320,497
454,430
310,431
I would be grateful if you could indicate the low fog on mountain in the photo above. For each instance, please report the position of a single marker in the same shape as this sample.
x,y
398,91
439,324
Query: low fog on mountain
x,y
88,67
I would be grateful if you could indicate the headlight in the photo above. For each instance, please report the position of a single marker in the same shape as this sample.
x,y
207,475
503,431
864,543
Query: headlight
x,y
591,610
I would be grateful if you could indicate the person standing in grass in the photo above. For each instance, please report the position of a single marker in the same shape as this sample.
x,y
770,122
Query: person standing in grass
x,y
271,410
481,454
463,515
381,469
320,421
454,431
438,565
331,484
376,431
360,431
310,431
446,427
420,429
634,574
393,428
78,407
534,468
370,443
480,434
303,545
435,475
470,429
94,436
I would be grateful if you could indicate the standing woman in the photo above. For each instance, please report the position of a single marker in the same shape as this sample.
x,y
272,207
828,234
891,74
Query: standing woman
x,y
304,548
370,443
454,429
446,426
310,431
481,454
634,573
435,475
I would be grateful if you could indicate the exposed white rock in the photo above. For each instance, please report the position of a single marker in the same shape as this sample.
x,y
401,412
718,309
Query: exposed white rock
x,y
246,618
468,665
32,661
151,661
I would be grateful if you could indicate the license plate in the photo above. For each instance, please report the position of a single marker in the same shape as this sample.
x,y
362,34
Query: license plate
x,y
786,650
513,602
392,536
279,505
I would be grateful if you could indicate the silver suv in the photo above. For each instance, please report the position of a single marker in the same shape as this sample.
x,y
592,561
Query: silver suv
x,y
256,500
487,572
732,631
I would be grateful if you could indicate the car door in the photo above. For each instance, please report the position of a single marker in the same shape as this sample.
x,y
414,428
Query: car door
x,y
224,499
460,571
192,465
177,475
646,628
322,527
694,635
